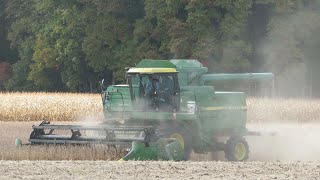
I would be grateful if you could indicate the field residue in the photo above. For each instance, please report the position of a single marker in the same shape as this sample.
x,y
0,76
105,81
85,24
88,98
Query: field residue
x,y
156,170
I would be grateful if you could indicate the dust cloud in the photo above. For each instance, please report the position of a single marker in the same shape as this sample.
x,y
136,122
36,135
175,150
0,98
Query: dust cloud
x,y
278,142
285,142
290,52
89,120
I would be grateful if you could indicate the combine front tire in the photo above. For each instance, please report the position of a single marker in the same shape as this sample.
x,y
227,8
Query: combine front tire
x,y
236,149
179,131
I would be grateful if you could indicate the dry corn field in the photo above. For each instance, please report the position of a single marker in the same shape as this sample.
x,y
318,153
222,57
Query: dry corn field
x,y
292,154
49,106
81,107
262,110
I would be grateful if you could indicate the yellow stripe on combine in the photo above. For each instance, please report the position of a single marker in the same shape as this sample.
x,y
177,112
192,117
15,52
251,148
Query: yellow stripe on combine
x,y
152,70
216,108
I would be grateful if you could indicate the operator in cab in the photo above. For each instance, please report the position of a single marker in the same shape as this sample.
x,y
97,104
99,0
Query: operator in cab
x,y
167,88
152,86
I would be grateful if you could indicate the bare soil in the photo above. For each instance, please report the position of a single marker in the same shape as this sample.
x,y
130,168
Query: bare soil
x,y
156,170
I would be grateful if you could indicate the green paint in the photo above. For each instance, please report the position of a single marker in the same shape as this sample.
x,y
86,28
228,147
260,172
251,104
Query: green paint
x,y
206,112
162,149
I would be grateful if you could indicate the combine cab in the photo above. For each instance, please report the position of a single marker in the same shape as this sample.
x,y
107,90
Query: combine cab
x,y
167,110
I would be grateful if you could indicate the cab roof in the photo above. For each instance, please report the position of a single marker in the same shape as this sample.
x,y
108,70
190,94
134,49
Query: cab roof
x,y
151,70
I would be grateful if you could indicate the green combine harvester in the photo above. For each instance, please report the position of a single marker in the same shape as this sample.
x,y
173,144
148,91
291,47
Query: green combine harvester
x,y
167,109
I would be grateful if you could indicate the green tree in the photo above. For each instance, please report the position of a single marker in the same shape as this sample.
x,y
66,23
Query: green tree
x,y
196,29
58,58
108,44
6,53
20,35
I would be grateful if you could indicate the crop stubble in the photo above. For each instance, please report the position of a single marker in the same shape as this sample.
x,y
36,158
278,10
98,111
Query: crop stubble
x,y
156,170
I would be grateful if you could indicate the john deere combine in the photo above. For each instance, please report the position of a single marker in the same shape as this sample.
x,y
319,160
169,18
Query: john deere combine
x,y
166,110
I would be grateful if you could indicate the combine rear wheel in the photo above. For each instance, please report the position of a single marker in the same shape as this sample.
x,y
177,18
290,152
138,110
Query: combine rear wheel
x,y
179,131
236,149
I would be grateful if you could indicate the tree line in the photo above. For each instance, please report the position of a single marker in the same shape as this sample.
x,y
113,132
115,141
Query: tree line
x,y
58,45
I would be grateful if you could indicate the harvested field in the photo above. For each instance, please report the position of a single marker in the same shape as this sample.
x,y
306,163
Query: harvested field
x,y
156,170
